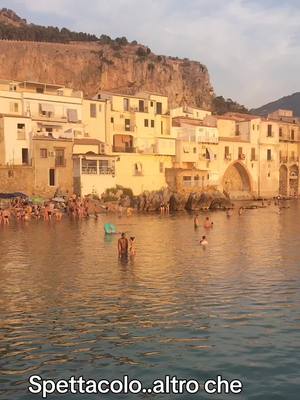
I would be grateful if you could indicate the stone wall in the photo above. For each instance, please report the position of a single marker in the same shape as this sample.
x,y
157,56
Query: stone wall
x,y
17,179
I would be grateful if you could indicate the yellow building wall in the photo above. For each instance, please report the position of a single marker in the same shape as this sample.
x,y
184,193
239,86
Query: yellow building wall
x,y
151,177
94,127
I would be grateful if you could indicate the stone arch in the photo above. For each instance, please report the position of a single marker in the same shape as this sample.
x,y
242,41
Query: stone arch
x,y
236,179
283,180
294,180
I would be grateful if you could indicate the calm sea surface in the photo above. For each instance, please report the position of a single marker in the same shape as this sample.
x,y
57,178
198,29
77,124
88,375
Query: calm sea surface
x,y
69,307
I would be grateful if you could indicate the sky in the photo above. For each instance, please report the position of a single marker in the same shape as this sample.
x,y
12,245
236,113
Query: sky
x,y
250,47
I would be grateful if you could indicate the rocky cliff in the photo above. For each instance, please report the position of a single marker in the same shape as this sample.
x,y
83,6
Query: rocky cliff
x,y
91,66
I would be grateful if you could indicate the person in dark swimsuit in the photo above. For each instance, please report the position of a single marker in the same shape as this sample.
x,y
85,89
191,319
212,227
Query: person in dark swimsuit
x,y
123,246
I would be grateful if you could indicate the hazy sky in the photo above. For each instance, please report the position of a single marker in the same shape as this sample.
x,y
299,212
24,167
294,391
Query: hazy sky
x,y
251,47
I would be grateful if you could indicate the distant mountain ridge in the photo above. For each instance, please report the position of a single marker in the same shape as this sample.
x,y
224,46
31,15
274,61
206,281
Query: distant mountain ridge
x,y
291,102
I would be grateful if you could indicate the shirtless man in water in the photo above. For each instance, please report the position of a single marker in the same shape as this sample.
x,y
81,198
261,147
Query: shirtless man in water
x,y
123,246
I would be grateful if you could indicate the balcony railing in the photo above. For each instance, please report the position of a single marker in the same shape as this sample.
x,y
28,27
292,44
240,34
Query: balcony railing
x,y
60,162
123,128
294,159
106,170
123,149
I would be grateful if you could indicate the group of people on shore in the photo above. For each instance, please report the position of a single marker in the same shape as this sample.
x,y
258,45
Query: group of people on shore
x,y
22,209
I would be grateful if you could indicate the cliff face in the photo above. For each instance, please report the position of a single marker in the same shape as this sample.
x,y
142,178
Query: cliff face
x,y
92,66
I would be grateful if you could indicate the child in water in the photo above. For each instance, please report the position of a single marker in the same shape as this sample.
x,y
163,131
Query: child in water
x,y
132,251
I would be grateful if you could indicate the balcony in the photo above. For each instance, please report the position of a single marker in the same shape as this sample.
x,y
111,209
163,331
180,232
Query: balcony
x,y
60,162
106,170
294,159
124,149
283,159
123,128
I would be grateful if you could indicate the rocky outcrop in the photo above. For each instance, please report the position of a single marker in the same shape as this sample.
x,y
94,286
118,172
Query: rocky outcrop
x,y
213,200
152,201
94,66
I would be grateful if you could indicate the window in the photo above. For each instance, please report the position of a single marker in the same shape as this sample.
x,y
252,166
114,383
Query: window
x,y
100,108
253,127
93,110
146,123
269,155
187,180
104,167
158,108
226,153
161,167
151,103
280,132
21,134
196,180
195,150
292,134
112,120
127,124
240,151
237,130
60,158
152,123
138,169
43,153
51,177
162,128
253,154
126,104
141,106
89,167
25,156
39,90
269,133
14,107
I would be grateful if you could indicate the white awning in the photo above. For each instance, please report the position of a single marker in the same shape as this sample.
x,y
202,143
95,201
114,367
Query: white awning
x,y
72,115
47,107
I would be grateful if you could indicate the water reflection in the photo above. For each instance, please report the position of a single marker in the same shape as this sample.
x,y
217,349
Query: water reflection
x,y
68,306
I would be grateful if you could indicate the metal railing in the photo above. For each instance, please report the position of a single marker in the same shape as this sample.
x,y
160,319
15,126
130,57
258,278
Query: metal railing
x,y
60,162
124,149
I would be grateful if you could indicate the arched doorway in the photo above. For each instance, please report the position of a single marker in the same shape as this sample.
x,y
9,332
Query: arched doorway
x,y
294,180
236,179
283,180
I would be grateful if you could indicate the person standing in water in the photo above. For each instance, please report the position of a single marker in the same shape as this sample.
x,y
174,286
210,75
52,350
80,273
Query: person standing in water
x,y
208,224
132,250
123,246
196,221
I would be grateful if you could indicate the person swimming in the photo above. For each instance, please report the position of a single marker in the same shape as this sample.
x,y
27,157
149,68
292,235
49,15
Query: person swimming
x,y
203,241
